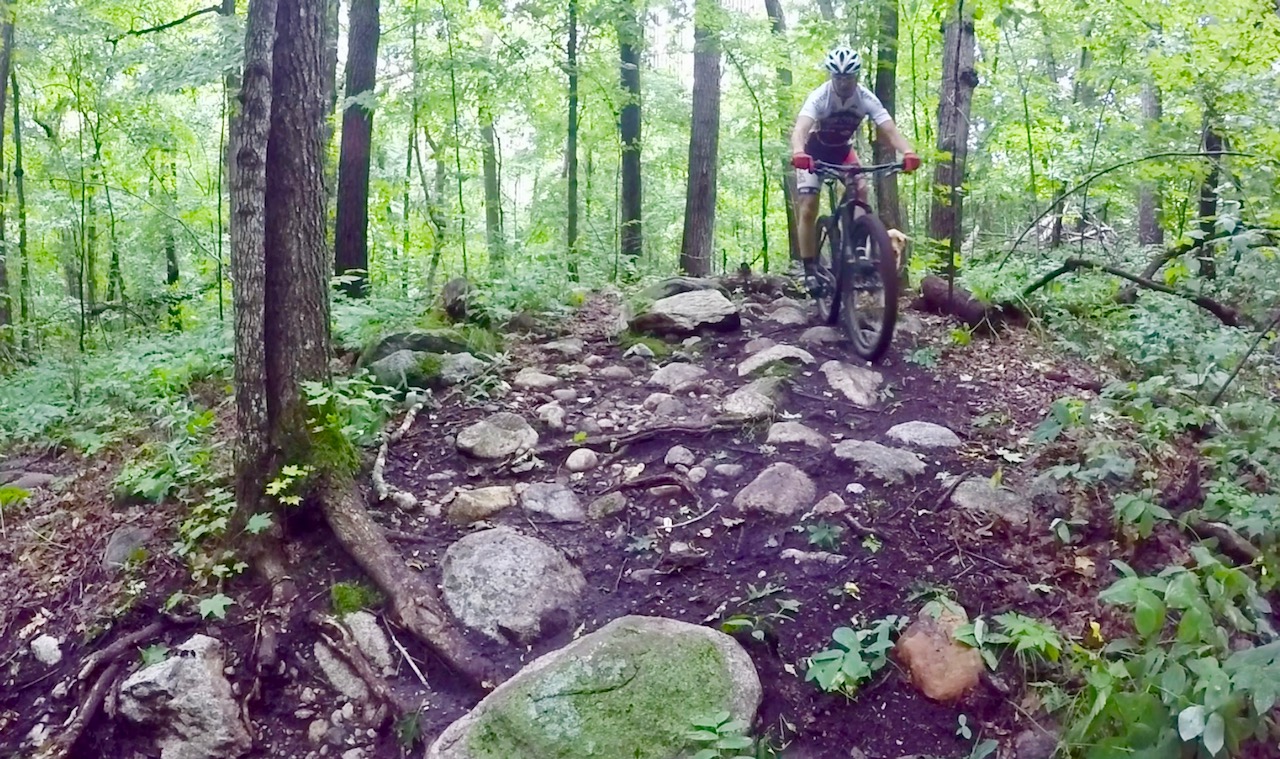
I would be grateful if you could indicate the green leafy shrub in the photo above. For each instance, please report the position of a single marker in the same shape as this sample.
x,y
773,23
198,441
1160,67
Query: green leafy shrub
x,y
856,656
348,597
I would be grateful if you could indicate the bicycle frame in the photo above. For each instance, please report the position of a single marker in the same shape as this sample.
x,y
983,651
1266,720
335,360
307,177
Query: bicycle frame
x,y
847,175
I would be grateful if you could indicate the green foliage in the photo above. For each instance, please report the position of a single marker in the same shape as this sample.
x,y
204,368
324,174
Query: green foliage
x,y
215,606
154,654
408,729
720,736
1030,639
1181,680
825,535
856,656
347,597
345,414
660,348
758,613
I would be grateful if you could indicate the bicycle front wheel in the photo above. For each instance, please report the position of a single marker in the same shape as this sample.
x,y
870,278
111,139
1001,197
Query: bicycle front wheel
x,y
827,302
869,288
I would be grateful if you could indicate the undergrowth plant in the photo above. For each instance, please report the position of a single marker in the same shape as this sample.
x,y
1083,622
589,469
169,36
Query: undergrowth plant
x,y
854,657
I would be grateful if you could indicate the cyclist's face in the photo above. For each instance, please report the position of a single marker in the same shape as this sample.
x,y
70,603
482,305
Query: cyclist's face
x,y
844,84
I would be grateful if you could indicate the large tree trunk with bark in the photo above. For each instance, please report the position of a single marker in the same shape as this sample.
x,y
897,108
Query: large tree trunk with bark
x,y
24,278
492,193
958,82
887,203
6,53
704,140
785,118
351,236
1213,146
630,38
571,149
1150,198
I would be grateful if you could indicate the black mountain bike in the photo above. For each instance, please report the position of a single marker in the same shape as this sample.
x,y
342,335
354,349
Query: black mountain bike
x,y
856,264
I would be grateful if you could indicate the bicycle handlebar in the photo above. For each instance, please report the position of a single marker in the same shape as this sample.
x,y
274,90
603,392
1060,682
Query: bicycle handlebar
x,y
841,170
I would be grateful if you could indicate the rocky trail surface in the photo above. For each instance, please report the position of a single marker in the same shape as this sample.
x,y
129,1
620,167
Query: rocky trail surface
x,y
608,508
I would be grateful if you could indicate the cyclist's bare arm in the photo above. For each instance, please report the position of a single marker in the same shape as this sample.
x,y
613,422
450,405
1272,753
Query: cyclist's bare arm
x,y
800,134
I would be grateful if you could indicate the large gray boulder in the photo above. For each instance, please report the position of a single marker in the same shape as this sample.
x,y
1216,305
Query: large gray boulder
x,y
676,285
780,489
631,689
188,699
419,341
511,587
688,313
497,436
859,384
405,369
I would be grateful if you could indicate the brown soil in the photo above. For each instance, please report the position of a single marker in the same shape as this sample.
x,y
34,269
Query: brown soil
x,y
923,543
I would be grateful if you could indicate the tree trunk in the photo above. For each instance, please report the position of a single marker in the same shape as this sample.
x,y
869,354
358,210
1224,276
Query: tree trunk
x,y
958,82
492,194
1150,198
1212,144
571,150
696,247
887,203
785,118
351,237
24,280
630,37
172,274
332,29
827,10
6,53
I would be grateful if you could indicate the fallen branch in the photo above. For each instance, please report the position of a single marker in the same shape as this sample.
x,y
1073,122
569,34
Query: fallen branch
x,y
403,499
656,480
718,424
74,727
938,297
167,24
1257,339
1225,314
415,602
122,645
1230,542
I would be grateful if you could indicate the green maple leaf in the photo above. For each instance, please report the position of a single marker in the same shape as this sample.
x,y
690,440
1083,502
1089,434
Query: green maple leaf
x,y
215,606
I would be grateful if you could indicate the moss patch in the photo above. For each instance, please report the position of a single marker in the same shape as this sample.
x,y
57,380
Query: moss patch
x,y
631,696
660,349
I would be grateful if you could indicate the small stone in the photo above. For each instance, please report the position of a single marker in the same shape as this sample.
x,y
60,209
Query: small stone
x,y
348,711
124,542
616,373
353,753
607,505
639,349
552,415
1036,742
758,344
794,432
553,500
593,360
316,730
812,557
785,302
671,408
656,399
892,465
941,667
858,384
565,395
474,505
677,376
831,504
979,495
789,316
755,400
924,435
47,650
780,489
821,335
719,494
679,455
696,474
582,460
497,436
773,355
339,673
571,346
370,638
529,378
729,470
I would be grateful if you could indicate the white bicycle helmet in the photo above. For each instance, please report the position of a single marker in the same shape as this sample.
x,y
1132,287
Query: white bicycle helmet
x,y
843,60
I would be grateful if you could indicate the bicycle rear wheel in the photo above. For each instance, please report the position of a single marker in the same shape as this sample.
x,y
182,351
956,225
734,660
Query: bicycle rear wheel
x,y
827,302
869,288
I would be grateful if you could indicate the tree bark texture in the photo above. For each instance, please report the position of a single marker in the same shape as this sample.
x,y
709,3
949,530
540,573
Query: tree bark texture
x,y
24,279
6,53
700,200
297,307
492,193
778,22
571,149
630,36
958,82
351,236
887,204
248,171
1150,198
1212,145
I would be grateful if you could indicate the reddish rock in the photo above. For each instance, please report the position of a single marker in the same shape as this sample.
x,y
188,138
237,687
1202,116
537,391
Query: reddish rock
x,y
943,669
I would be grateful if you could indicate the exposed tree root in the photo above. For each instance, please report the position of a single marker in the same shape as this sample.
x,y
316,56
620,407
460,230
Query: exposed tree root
x,y
415,602
1230,542
715,425
1225,314
338,638
122,645
74,727
657,480
269,561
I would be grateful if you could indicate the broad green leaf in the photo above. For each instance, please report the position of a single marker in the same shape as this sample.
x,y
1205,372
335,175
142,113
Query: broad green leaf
x,y
215,606
1191,722
1214,736
1148,613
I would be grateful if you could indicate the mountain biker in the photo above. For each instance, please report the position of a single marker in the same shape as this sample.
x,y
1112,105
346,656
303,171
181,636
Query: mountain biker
x,y
824,131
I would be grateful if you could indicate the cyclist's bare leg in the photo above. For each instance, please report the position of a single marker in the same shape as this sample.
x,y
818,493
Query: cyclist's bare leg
x,y
806,223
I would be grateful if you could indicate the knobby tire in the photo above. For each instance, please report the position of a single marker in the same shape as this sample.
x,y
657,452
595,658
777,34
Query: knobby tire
x,y
868,227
